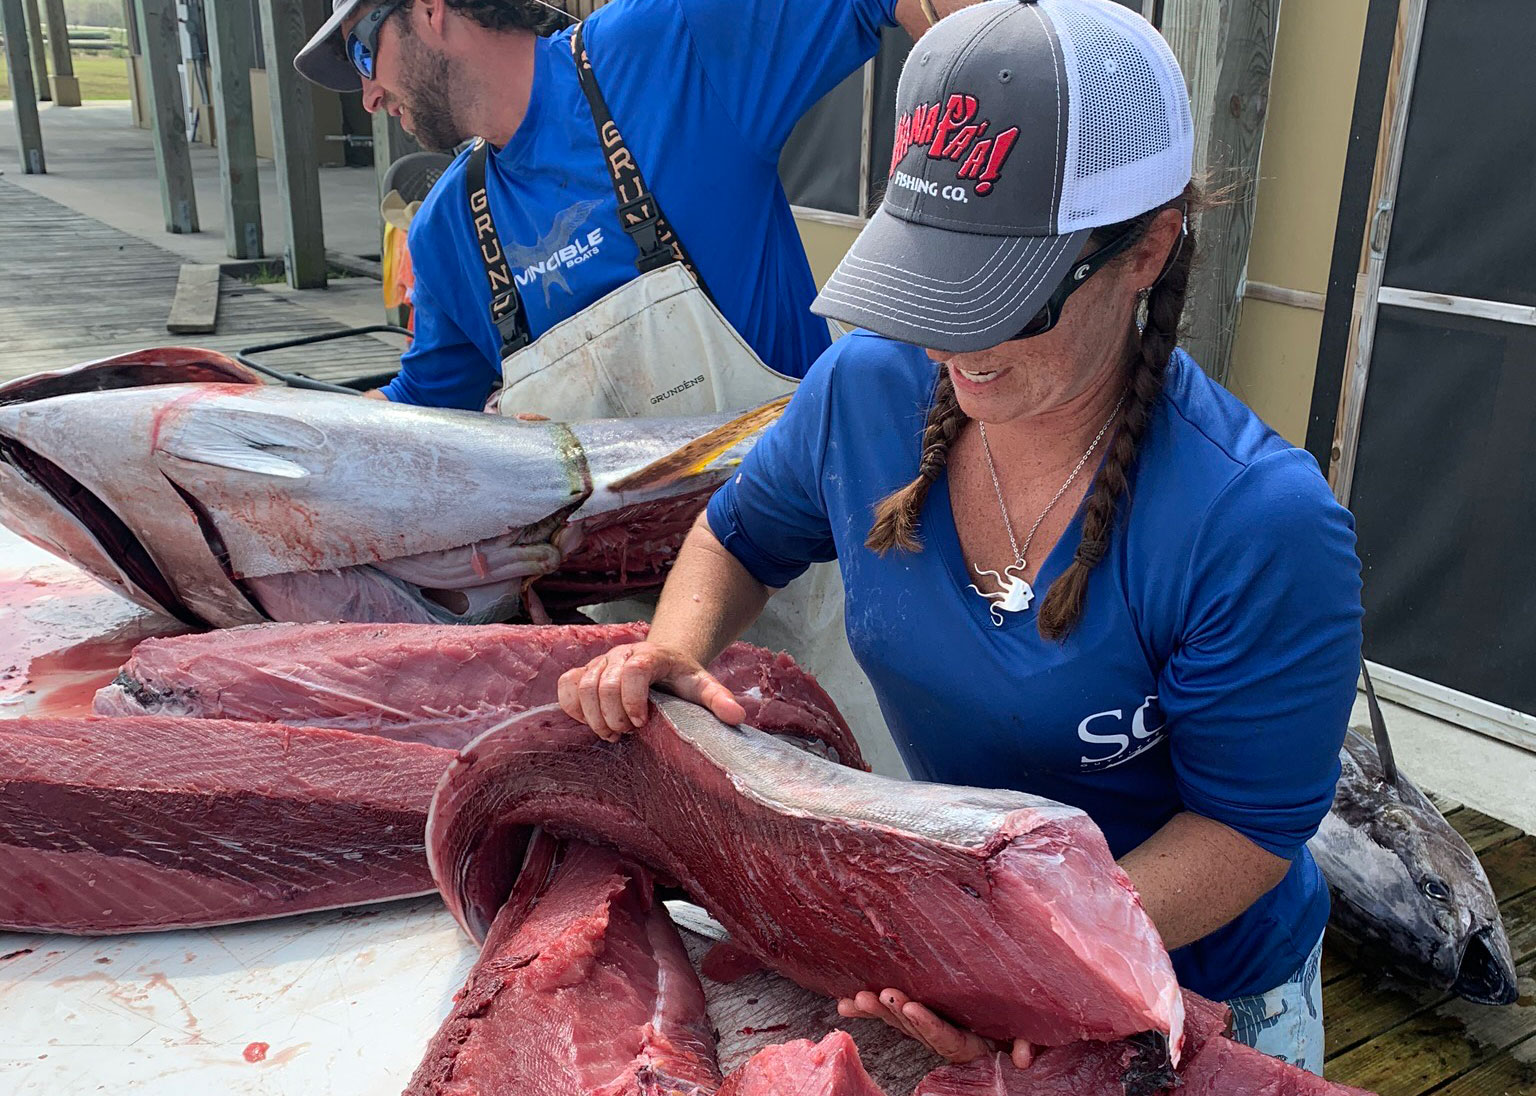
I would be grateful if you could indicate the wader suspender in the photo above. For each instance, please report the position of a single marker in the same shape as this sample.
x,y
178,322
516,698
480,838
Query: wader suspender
x,y
639,214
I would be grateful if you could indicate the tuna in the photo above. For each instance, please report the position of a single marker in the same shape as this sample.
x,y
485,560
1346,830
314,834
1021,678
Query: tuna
x,y
1004,911
583,987
425,683
1405,885
180,481
135,825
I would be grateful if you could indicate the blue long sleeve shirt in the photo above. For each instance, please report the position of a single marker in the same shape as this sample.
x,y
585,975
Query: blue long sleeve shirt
x,y
705,93
1213,669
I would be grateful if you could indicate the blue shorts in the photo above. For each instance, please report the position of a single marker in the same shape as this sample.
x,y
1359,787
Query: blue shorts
x,y
1287,1021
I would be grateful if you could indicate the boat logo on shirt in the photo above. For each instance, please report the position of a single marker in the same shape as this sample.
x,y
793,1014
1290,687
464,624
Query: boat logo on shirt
x,y
1109,730
558,251
950,131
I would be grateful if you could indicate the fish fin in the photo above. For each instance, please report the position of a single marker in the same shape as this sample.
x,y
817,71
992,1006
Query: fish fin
x,y
242,441
697,455
1379,729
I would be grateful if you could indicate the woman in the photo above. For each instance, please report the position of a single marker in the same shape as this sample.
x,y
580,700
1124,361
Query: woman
x,y
1186,672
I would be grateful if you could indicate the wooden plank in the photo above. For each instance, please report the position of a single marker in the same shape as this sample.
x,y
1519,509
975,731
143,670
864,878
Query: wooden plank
x,y
1336,960
1436,1046
66,89
1361,1006
195,308
1511,867
1511,1074
1443,803
283,34
232,55
160,38
18,67
1226,51
1519,916
34,38
1481,831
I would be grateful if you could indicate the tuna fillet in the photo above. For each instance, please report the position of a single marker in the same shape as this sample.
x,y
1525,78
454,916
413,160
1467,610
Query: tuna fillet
x,y
803,1068
426,683
1001,910
583,989
130,825
1214,1065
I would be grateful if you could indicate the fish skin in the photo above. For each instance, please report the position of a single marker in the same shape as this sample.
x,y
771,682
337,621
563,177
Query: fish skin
x,y
1389,855
222,501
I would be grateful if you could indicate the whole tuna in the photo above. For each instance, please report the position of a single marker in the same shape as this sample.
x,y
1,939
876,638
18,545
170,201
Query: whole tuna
x,y
181,481
1405,884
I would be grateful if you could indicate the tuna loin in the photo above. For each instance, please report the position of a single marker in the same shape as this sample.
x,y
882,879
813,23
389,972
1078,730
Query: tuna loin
x,y
426,683
583,987
803,1068
1214,1065
129,825
1004,911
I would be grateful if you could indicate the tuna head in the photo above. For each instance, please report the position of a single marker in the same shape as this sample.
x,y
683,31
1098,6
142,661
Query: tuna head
x,y
1407,887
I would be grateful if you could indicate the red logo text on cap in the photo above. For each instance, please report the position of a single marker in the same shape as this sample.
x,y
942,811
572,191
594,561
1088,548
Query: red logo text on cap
x,y
949,131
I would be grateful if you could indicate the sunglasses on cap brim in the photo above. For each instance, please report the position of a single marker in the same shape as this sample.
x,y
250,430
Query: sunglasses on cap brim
x,y
363,42
1050,315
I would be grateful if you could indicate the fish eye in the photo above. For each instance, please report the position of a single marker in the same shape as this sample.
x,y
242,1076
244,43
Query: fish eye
x,y
1435,890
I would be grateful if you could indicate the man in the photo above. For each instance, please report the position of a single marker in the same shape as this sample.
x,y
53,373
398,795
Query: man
x,y
702,94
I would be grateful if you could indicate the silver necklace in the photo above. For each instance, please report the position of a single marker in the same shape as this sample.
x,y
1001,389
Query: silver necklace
x,y
1016,594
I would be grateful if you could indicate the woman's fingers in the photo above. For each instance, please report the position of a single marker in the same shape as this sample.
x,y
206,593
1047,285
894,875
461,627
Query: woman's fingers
x,y
1023,1054
702,687
944,1039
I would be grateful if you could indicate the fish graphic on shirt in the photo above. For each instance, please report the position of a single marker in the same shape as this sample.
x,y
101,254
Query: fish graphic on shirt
x,y
551,257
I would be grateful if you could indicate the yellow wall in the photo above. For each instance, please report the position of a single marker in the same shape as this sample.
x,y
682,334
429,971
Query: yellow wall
x,y
825,245
1317,60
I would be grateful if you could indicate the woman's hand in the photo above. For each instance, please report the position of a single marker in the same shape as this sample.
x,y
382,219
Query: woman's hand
x,y
920,1023
610,694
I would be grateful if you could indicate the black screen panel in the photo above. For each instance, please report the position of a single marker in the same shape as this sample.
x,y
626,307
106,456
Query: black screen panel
x,y
1445,500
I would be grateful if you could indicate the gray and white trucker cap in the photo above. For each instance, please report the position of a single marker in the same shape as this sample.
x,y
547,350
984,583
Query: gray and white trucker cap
x,y
324,59
1021,127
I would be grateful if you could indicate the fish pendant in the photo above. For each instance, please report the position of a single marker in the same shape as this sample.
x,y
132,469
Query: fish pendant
x,y
1015,596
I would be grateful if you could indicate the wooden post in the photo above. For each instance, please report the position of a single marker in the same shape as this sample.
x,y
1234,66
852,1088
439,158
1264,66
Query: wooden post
x,y
1226,50
231,53
283,34
66,88
159,36
13,20
33,32
390,142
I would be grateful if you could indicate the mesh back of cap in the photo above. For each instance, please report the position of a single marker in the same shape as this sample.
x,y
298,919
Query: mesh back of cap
x,y
1130,137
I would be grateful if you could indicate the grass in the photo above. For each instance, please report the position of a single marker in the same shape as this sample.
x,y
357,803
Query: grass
x,y
101,77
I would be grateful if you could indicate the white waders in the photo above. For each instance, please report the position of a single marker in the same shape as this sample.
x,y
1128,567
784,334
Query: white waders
x,y
658,346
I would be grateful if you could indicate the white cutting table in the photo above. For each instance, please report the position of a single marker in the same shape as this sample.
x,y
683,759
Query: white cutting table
x,y
339,1003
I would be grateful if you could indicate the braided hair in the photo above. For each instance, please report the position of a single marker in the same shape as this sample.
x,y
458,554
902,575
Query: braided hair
x,y
896,515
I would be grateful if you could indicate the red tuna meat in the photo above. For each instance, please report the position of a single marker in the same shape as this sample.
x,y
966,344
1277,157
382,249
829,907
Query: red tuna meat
x,y
583,989
129,825
437,684
803,1068
1213,1065
1003,911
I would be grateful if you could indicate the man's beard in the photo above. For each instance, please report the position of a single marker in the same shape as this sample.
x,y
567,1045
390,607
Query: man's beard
x,y
426,78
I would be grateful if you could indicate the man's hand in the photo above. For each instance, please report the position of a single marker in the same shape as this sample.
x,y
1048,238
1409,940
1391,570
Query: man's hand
x,y
611,694
916,16
919,1022
376,394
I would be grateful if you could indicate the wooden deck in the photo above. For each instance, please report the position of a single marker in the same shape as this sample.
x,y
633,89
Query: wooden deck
x,y
73,289
1398,1041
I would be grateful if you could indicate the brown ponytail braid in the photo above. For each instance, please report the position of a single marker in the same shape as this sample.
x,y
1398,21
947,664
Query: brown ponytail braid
x,y
896,515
